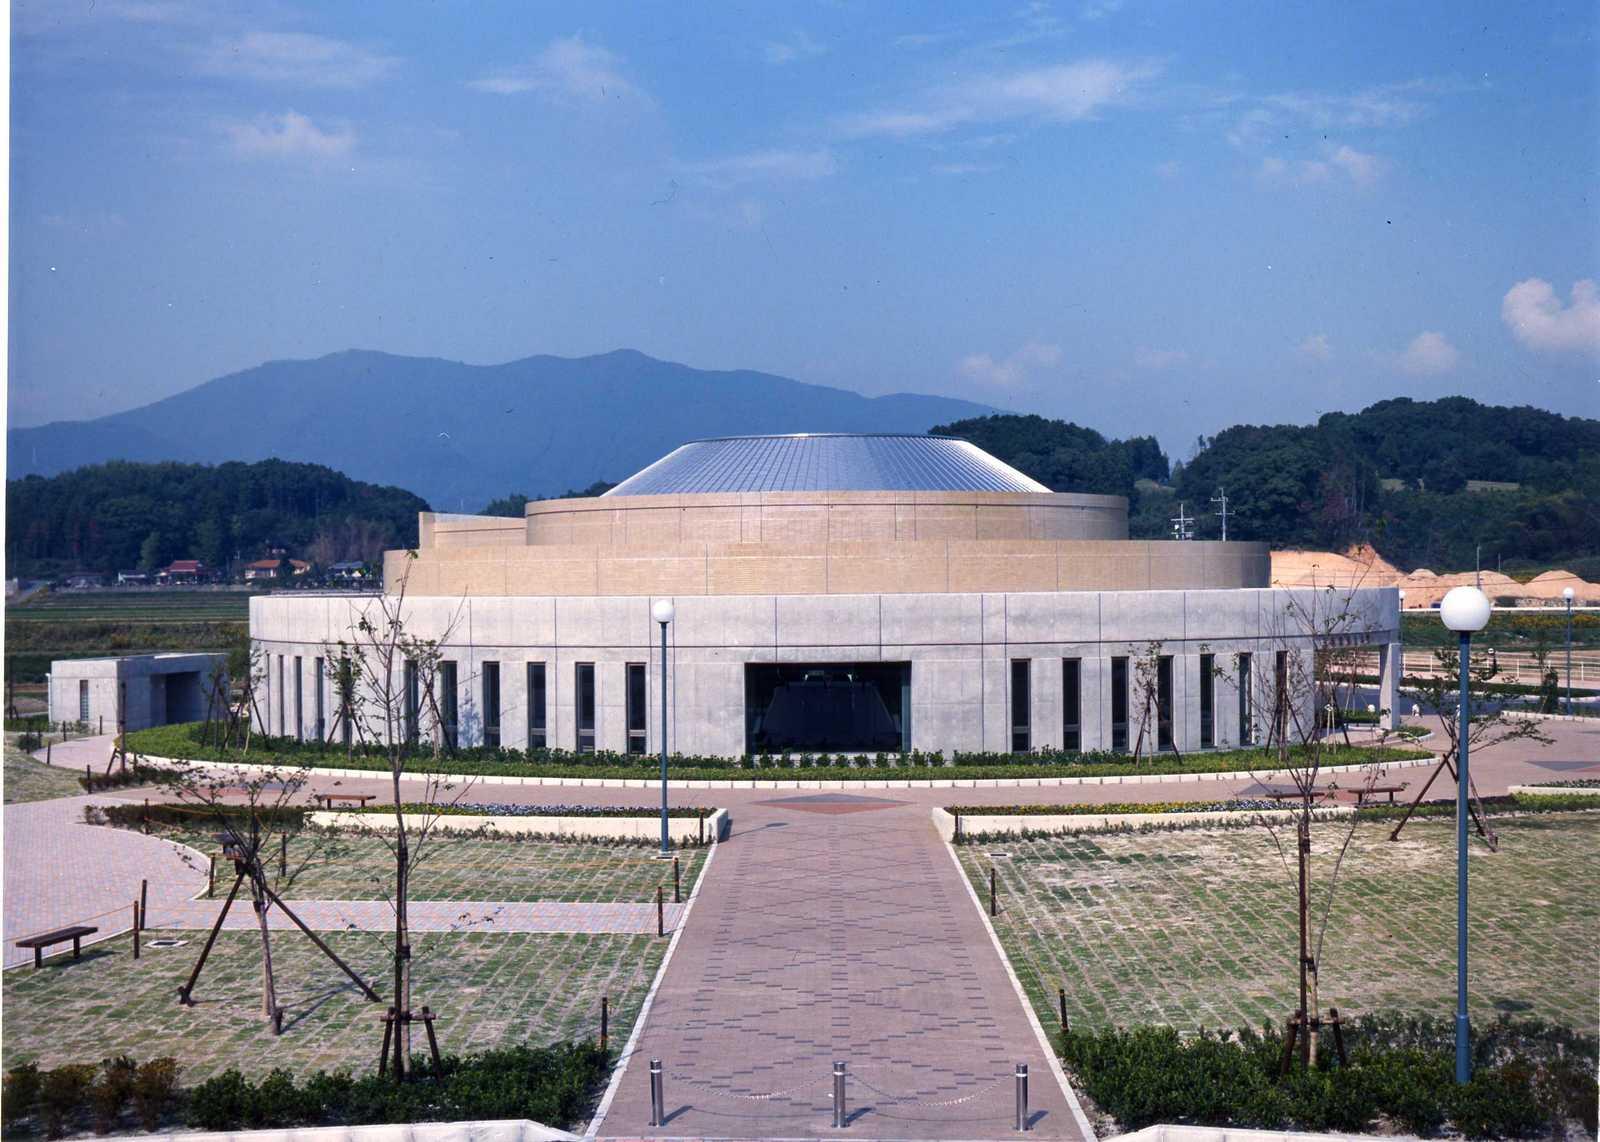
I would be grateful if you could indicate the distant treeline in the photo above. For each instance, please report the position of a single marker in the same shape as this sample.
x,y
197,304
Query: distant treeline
x,y
514,504
1322,485
121,516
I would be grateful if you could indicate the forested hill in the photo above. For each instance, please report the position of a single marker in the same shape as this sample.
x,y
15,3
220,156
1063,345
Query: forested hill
x,y
123,515
1395,475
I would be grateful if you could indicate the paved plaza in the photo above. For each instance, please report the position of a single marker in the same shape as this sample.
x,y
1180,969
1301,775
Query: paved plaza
x,y
831,925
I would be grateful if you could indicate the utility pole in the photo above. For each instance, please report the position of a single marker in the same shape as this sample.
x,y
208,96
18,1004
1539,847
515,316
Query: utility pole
x,y
1221,499
1182,524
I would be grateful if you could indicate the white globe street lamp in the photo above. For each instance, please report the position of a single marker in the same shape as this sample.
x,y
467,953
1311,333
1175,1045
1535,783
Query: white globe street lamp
x,y
663,612
1464,610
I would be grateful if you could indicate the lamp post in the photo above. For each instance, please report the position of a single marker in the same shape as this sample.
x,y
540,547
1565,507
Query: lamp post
x,y
1464,610
662,612
1566,593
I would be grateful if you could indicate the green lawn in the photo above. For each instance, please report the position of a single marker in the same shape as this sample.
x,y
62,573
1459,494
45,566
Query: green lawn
x,y
30,780
349,867
490,989
1197,928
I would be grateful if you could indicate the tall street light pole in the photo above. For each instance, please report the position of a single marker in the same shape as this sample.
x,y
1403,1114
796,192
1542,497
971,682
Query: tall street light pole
x,y
1566,593
662,612
1464,610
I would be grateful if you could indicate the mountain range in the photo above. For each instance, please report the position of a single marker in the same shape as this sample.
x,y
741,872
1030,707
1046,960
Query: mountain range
x,y
460,435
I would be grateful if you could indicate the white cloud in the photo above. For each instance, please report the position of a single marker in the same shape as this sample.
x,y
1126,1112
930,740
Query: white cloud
x,y
1063,93
290,135
1534,314
1429,354
1337,165
1147,358
1317,347
297,59
765,166
568,70
1362,168
964,168
798,46
1011,370
1170,169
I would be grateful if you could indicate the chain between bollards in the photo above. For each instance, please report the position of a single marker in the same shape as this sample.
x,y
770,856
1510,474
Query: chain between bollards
x,y
1022,1096
840,1115
657,1109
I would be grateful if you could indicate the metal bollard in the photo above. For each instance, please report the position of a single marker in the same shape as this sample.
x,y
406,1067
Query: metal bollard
x,y
1022,1096
677,884
605,1023
839,1115
144,901
657,1108
993,906
661,913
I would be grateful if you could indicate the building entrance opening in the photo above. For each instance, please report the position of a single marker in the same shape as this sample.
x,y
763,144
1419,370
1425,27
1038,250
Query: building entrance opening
x,y
848,707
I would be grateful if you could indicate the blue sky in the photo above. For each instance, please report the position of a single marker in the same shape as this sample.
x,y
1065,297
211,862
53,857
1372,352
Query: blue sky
x,y
1143,217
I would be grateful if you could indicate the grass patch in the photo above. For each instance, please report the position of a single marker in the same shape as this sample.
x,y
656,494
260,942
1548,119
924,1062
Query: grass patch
x,y
1197,928
491,990
30,780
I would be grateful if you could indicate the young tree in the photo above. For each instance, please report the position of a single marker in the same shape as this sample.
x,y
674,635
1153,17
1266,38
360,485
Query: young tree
x,y
389,678
1488,724
1313,630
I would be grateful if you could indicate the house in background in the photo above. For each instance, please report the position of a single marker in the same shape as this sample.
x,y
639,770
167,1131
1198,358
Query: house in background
x,y
84,581
351,572
183,572
264,569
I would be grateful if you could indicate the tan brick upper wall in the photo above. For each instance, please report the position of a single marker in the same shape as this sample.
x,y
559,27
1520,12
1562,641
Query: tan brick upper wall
x,y
834,567
824,517
439,530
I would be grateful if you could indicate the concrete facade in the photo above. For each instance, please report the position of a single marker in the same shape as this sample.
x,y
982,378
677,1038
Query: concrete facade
x,y
954,580
137,691
960,647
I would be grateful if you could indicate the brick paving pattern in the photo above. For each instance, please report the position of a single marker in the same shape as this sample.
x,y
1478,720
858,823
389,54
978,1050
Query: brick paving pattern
x,y
828,931
426,916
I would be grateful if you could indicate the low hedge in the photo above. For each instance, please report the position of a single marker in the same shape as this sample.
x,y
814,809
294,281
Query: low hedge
x,y
182,741
554,1085
1529,1078
509,809
168,814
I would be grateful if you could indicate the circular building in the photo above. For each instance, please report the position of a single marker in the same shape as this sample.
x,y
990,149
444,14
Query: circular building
x,y
840,593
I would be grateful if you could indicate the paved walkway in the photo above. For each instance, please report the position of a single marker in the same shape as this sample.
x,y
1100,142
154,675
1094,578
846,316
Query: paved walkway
x,y
834,926
426,916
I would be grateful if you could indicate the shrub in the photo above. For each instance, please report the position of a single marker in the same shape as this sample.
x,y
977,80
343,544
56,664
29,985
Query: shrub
x,y
21,1093
1529,1078
61,1096
155,1088
108,1096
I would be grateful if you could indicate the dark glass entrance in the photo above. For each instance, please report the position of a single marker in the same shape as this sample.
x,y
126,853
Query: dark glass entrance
x,y
849,707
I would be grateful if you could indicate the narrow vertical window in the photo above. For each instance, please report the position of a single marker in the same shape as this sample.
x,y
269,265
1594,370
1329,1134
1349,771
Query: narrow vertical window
x,y
637,711
347,699
1280,696
318,696
1247,734
413,702
536,706
1072,704
282,697
585,707
299,700
1208,701
1119,704
447,703
1164,702
83,700
491,705
1021,707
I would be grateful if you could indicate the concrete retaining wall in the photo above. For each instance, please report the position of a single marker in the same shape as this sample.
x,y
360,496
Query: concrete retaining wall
x,y
593,828
976,824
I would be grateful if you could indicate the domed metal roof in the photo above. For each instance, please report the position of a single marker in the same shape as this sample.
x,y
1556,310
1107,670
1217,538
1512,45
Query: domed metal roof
x,y
827,462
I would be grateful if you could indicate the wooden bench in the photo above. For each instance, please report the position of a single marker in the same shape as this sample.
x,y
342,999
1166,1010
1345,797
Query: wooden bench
x,y
1293,794
39,943
1363,794
326,800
